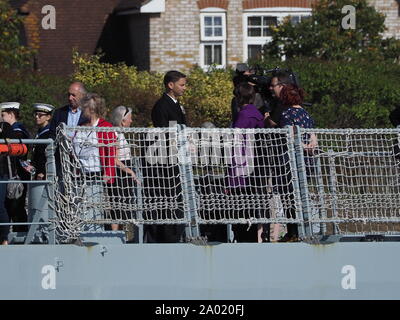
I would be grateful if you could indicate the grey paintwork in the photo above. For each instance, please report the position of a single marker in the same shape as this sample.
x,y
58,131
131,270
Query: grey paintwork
x,y
187,271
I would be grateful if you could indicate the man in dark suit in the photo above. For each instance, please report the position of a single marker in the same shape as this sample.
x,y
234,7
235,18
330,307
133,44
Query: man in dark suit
x,y
71,113
162,181
167,109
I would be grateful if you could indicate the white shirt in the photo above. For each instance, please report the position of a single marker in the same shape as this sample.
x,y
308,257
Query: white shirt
x,y
124,151
173,99
86,147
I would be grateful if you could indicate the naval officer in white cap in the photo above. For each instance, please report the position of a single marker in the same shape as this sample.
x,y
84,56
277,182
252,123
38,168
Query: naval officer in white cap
x,y
5,132
10,112
42,116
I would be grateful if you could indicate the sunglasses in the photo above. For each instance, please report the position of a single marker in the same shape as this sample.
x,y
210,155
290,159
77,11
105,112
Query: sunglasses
x,y
126,112
39,115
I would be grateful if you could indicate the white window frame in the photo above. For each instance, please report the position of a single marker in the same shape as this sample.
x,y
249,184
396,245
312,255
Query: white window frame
x,y
279,12
220,40
202,54
203,37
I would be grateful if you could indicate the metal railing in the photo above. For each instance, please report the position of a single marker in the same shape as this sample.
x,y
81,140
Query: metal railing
x,y
347,184
353,181
41,215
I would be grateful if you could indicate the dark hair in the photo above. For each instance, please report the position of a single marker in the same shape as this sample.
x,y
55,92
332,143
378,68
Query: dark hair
x,y
283,77
172,76
291,95
245,93
15,112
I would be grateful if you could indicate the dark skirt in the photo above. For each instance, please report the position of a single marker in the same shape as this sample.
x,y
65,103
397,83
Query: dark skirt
x,y
123,194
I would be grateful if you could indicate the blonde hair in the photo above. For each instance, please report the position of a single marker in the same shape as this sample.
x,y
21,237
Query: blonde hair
x,y
95,103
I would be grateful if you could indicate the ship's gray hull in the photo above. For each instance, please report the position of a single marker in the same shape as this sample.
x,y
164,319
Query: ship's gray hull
x,y
184,271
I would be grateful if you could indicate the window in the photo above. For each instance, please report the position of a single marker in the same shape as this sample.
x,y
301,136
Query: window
x,y
258,26
212,26
212,53
254,51
213,38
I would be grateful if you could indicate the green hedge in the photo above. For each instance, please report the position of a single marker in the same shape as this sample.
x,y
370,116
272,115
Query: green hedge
x,y
355,95
28,88
347,95
207,99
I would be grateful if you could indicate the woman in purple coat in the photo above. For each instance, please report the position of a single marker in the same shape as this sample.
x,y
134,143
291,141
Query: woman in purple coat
x,y
242,172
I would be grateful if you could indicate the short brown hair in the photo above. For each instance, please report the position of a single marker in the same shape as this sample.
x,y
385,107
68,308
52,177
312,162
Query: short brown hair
x,y
15,112
172,76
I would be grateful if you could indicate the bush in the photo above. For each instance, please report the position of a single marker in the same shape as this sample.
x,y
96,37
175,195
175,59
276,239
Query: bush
x,y
31,87
12,54
347,95
322,35
207,98
344,95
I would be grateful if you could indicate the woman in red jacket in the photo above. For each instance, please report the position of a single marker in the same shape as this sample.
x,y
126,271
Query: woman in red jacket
x,y
96,151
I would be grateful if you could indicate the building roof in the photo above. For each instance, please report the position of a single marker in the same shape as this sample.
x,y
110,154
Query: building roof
x,y
127,5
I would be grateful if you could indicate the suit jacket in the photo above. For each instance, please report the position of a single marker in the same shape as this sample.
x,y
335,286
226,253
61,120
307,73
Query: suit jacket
x,y
165,110
61,115
395,117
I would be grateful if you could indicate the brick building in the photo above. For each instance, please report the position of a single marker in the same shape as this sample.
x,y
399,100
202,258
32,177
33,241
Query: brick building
x,y
391,8
182,33
79,24
163,34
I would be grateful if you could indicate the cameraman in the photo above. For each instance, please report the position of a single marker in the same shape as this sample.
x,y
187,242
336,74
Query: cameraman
x,y
243,73
278,81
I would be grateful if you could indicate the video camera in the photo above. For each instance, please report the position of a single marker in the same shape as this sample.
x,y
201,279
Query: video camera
x,y
261,78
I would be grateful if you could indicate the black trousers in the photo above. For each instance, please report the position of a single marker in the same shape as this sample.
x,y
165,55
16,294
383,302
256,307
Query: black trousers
x,y
163,183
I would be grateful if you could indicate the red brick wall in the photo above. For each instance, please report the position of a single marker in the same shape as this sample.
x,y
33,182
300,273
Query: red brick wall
x,y
251,4
213,3
78,24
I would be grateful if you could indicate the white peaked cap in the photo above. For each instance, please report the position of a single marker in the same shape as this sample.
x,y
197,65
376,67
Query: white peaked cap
x,y
43,107
9,105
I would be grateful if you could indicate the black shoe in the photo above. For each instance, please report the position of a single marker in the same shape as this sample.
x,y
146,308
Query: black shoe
x,y
287,238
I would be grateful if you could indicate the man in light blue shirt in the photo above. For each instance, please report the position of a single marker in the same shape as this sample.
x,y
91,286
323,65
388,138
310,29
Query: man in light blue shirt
x,y
73,116
71,113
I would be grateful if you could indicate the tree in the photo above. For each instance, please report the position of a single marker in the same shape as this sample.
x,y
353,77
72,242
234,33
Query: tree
x,y
13,55
323,36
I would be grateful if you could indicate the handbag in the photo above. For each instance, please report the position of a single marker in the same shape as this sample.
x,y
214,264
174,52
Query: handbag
x,y
14,188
